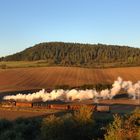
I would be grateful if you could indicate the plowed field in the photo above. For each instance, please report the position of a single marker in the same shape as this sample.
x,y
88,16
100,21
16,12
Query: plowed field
x,y
49,77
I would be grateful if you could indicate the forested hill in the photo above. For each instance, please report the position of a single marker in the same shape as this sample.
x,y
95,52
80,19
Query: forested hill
x,y
75,54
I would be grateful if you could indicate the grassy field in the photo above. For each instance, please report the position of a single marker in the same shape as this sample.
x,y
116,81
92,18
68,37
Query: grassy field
x,y
14,113
48,77
43,63
22,64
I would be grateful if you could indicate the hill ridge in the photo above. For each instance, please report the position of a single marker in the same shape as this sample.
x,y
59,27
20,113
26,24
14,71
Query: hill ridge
x,y
78,54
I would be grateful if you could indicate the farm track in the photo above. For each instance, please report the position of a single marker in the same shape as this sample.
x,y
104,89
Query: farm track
x,y
49,77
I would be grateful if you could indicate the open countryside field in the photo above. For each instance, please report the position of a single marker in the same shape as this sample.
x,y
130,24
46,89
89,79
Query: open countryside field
x,y
13,113
48,77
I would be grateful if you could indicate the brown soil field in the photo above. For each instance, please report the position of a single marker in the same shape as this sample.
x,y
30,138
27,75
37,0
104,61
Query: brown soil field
x,y
48,77
120,101
12,115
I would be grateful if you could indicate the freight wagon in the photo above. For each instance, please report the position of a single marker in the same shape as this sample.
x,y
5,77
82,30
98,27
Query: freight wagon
x,y
77,107
40,105
24,104
59,106
103,108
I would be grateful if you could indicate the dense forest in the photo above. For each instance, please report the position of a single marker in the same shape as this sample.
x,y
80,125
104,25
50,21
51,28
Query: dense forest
x,y
75,54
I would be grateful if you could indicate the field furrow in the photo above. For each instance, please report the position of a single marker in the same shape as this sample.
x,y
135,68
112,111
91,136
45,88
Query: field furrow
x,y
49,77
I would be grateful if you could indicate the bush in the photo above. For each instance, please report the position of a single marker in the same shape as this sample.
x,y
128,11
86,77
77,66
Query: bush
x,y
85,125
79,126
84,115
124,128
3,66
51,128
11,135
56,128
114,130
138,136
21,129
5,125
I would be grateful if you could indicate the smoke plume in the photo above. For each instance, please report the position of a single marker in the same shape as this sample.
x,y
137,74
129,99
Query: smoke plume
x,y
133,91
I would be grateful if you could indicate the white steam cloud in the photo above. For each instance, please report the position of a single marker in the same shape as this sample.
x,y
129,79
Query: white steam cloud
x,y
133,91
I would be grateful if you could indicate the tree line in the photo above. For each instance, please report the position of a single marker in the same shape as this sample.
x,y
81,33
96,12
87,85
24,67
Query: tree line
x,y
76,54
98,87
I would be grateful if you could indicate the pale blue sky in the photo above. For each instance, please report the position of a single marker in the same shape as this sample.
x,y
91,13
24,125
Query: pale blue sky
x,y
24,23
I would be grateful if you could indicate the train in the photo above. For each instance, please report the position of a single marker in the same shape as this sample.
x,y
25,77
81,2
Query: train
x,y
59,106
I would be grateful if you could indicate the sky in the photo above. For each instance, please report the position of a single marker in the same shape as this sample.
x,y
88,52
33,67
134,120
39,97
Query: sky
x,y
24,23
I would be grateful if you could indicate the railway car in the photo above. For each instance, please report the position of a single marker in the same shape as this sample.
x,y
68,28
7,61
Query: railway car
x,y
59,106
103,108
93,107
24,104
41,105
77,107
